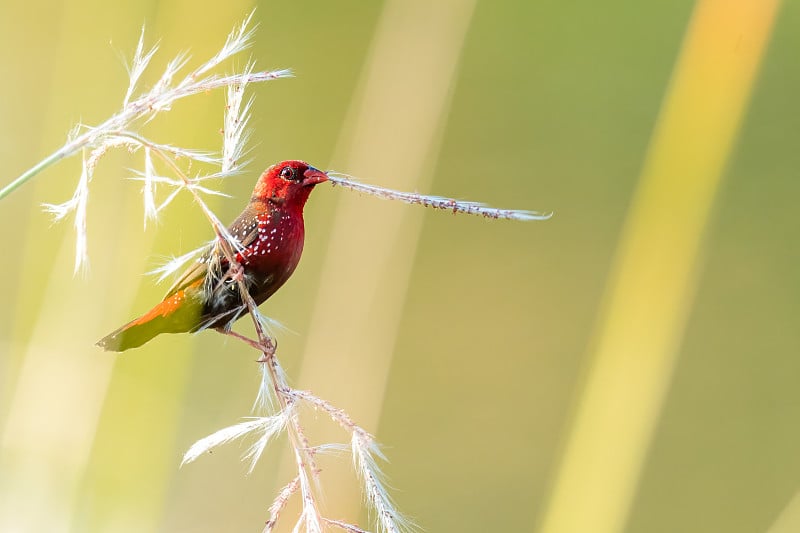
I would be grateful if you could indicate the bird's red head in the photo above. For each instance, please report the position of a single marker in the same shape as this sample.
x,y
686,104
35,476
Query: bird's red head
x,y
288,184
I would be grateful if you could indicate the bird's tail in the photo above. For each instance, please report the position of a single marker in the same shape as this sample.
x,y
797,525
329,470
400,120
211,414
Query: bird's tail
x,y
131,335
178,313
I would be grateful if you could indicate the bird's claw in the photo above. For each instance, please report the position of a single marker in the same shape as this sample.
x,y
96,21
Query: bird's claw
x,y
236,272
268,349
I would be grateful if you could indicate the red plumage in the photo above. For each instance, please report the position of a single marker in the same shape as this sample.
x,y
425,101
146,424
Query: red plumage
x,y
271,233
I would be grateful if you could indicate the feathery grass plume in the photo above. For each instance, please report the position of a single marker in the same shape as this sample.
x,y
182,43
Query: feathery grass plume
x,y
364,452
140,61
436,202
77,203
268,426
350,528
121,128
236,134
280,503
174,264
277,397
148,192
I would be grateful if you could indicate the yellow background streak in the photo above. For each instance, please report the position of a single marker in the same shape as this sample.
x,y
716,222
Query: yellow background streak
x,y
652,285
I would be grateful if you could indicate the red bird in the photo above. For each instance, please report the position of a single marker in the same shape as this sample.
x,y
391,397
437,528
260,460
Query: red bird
x,y
271,233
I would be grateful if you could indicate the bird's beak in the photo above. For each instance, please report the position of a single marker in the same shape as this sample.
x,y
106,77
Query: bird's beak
x,y
312,176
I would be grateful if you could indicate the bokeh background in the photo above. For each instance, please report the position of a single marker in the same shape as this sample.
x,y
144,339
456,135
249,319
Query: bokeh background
x,y
629,365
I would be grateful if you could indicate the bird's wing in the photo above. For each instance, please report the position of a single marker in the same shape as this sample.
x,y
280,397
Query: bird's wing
x,y
244,228
195,272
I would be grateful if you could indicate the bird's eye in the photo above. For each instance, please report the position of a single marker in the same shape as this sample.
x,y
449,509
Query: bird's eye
x,y
288,173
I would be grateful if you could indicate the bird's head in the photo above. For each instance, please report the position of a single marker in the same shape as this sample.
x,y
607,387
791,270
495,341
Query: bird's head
x,y
288,184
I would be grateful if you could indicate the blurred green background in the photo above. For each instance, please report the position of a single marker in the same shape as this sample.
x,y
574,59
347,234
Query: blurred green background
x,y
462,343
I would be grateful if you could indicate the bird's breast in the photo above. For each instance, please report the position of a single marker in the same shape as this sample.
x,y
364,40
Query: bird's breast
x,y
271,258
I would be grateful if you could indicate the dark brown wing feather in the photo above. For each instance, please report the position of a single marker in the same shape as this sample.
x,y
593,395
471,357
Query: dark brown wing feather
x,y
244,228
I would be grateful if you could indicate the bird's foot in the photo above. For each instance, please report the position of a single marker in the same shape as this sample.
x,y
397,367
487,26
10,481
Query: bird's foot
x,y
266,348
236,272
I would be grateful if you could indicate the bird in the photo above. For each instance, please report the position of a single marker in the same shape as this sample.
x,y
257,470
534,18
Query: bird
x,y
270,232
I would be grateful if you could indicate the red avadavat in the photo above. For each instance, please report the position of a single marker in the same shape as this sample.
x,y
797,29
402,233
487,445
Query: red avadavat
x,y
271,233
